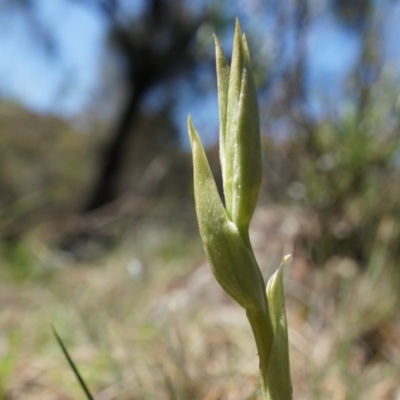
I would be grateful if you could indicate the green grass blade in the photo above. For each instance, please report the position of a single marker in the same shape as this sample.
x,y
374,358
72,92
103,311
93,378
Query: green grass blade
x,y
72,365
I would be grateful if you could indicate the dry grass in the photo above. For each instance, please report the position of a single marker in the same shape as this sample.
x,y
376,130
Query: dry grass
x,y
148,321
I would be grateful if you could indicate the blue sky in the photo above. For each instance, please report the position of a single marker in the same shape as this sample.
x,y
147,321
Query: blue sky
x,y
62,83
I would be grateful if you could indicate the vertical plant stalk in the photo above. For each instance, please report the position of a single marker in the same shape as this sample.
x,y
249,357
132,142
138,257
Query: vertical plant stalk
x,y
225,229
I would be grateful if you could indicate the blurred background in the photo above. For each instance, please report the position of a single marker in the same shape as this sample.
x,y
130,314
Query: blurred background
x,y
97,224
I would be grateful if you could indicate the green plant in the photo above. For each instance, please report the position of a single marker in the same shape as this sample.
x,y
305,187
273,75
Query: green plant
x,y
224,229
73,366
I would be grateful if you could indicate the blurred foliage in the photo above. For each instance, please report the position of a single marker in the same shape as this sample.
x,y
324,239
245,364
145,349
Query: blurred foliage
x,y
342,165
347,171
45,168
350,181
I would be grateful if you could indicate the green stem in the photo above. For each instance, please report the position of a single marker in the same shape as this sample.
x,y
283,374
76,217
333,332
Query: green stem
x,y
263,335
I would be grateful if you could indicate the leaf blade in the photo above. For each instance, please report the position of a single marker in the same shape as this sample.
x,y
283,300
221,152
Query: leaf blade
x,y
73,366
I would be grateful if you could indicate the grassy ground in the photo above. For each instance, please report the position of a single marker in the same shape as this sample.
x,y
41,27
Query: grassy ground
x,y
148,321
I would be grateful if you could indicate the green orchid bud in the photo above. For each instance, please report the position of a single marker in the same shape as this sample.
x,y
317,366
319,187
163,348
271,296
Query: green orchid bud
x,y
224,230
232,262
240,149
279,384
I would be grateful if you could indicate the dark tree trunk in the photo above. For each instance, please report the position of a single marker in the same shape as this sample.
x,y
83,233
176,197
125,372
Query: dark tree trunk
x,y
106,188
148,64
